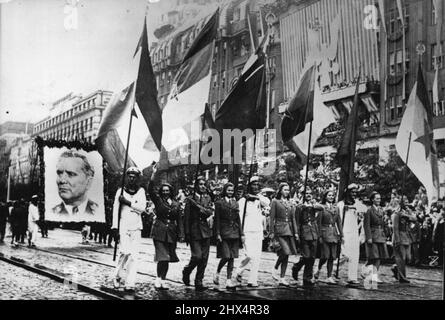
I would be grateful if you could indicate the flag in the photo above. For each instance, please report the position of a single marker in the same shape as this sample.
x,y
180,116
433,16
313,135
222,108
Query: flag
x,y
417,127
346,151
191,85
146,92
245,105
322,118
301,107
108,141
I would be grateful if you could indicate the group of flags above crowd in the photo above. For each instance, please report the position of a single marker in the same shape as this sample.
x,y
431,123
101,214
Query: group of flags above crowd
x,y
244,107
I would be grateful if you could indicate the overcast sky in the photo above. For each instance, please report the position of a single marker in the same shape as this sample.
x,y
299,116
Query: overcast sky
x,y
42,61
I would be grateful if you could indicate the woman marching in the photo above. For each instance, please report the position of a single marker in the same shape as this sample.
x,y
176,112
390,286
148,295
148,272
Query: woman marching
x,y
166,229
329,224
228,233
284,229
373,226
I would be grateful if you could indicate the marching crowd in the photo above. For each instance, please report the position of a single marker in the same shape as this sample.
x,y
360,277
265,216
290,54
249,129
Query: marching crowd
x,y
407,231
309,223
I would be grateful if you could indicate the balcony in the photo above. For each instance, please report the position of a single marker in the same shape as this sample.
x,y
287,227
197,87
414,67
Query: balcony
x,y
238,26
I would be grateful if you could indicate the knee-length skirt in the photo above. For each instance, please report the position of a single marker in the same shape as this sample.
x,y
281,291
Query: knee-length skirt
x,y
165,251
328,250
288,245
228,249
376,251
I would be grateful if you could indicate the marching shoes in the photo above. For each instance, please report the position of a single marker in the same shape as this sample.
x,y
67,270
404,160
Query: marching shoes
x,y
158,283
283,282
230,285
275,274
216,279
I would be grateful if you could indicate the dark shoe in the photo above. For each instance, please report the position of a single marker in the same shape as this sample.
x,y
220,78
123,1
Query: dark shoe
x,y
395,272
404,280
186,277
352,283
200,288
253,285
129,290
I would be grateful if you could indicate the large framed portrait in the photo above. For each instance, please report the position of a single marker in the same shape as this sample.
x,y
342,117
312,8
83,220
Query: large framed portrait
x,y
74,185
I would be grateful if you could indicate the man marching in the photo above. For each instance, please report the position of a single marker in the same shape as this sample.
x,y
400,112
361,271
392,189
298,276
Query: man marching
x,y
131,203
198,209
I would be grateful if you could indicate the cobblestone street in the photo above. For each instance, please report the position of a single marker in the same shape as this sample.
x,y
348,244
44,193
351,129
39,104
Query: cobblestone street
x,y
92,264
19,284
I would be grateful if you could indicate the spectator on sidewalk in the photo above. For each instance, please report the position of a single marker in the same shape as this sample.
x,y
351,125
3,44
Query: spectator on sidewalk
x,y
33,218
4,214
14,221
426,241
438,233
23,220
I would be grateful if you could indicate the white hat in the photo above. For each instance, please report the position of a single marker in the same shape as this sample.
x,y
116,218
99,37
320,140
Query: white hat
x,y
133,170
254,179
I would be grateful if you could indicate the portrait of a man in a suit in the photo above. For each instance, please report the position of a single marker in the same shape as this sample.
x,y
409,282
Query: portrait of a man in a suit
x,y
74,177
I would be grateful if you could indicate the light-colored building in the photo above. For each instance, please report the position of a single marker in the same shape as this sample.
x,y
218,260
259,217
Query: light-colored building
x,y
336,30
74,118
22,160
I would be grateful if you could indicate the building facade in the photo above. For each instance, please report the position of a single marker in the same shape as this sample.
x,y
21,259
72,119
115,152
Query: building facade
x,y
334,31
23,160
74,118
401,42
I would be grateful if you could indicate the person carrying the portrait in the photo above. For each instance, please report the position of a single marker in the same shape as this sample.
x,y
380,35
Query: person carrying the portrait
x,y
74,178
252,225
228,233
373,225
33,218
198,211
131,203
284,229
329,224
167,228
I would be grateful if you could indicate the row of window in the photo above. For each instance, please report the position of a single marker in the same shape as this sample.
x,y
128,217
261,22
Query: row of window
x,y
395,107
66,115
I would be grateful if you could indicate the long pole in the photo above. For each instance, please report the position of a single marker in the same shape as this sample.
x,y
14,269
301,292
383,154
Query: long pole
x,y
248,180
404,169
8,192
307,161
123,181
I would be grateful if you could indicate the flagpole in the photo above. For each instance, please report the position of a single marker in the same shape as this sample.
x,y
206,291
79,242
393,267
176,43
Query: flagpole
x,y
405,167
8,192
123,181
307,161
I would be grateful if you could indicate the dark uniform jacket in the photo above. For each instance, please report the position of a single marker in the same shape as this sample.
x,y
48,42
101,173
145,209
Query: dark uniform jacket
x,y
400,227
168,225
374,225
307,222
197,210
227,219
282,218
329,224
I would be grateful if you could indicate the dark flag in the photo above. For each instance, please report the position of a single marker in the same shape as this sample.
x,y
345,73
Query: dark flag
x,y
146,92
191,85
301,107
346,151
109,142
245,105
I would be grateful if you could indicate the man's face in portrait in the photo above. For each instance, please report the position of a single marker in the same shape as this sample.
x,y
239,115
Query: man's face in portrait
x,y
72,181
